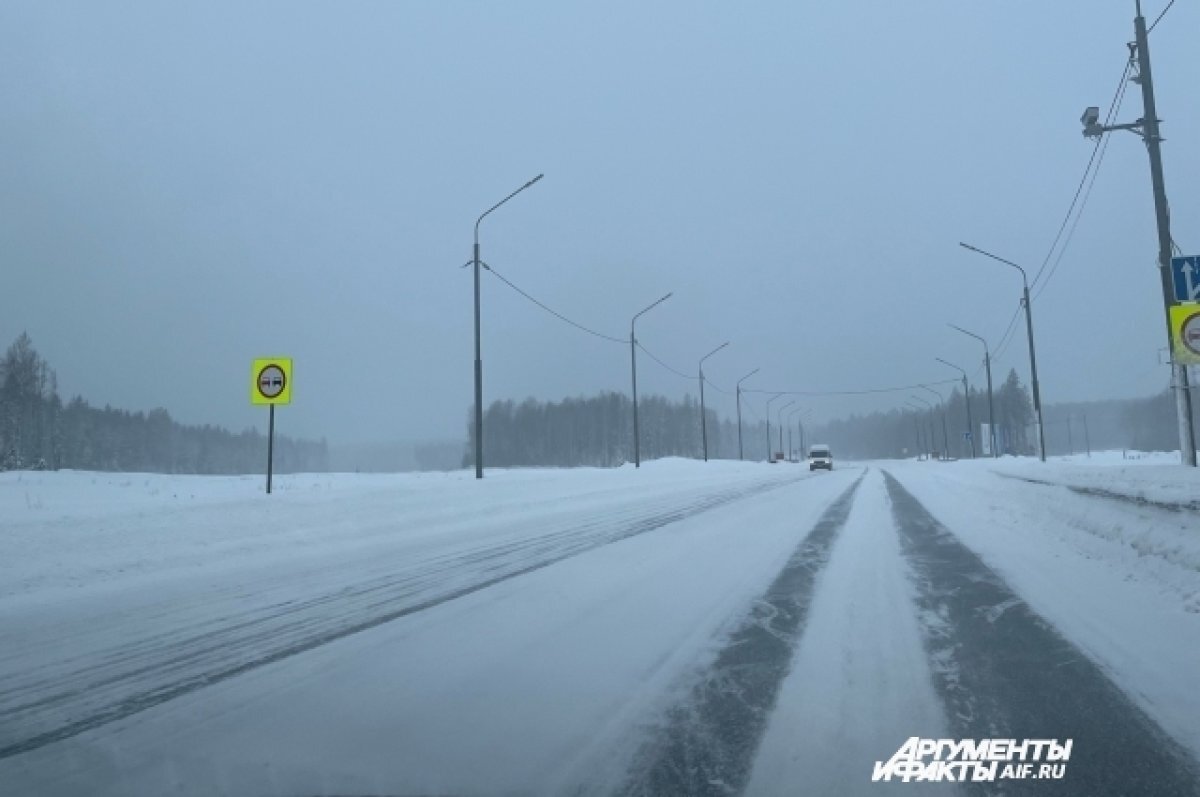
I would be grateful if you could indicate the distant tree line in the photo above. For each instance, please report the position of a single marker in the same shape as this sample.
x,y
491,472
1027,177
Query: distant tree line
x,y
37,431
598,431
1152,423
1143,424
904,432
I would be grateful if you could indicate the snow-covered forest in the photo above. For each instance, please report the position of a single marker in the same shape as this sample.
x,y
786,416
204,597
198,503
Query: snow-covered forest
x,y
598,431
38,431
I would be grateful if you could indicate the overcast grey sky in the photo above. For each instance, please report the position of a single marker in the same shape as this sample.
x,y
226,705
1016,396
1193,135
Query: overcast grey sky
x,y
185,187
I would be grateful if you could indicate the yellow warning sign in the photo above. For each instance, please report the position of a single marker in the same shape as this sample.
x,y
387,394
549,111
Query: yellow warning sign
x,y
271,381
1185,333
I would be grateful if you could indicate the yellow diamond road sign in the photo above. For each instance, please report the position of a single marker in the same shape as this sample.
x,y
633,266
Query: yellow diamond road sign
x,y
271,381
1185,331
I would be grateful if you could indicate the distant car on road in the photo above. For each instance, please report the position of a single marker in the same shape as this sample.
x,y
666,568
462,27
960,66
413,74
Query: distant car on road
x,y
819,456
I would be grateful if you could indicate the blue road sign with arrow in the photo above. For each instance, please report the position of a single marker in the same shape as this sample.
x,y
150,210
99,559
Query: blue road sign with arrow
x,y
1185,275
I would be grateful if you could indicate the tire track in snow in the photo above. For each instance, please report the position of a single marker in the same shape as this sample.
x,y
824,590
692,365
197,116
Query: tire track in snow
x,y
1004,672
708,743
150,671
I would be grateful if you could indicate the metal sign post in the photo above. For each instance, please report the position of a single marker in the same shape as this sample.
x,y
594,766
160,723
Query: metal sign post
x,y
271,384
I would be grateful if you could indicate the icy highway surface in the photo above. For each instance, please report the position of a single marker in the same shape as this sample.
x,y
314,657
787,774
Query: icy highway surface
x,y
682,629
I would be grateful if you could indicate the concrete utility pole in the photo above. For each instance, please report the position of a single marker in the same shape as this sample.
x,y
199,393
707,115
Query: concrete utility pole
x,y
1147,127
1162,213
741,455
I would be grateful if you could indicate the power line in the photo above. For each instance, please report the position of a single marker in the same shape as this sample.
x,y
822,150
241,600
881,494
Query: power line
x,y
1006,338
1120,91
852,392
553,312
664,365
708,382
1103,148
1160,16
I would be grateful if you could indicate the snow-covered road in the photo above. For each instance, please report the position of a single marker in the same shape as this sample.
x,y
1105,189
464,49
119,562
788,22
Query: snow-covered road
x,y
682,629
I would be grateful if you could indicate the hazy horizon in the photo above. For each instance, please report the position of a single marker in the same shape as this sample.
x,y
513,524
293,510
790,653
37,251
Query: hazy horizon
x,y
190,188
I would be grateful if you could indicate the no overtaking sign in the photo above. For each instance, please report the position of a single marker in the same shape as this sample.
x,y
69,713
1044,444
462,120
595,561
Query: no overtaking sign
x,y
271,384
271,381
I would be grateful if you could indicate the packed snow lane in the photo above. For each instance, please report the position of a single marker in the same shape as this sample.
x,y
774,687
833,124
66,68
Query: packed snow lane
x,y
708,741
861,682
1004,672
534,684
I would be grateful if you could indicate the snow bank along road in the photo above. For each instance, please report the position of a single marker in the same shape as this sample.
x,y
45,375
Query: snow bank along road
x,y
683,629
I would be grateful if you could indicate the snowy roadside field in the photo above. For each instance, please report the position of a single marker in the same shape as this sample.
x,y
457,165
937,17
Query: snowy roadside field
x,y
1118,577
77,531
1155,477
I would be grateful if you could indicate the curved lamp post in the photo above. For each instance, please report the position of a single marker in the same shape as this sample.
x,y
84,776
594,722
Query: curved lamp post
x,y
741,455
772,398
637,450
932,437
966,400
945,437
781,409
703,418
1033,374
478,355
917,423
987,363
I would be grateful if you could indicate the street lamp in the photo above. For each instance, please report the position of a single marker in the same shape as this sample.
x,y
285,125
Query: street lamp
x,y
800,422
966,400
478,355
791,449
917,424
703,418
987,363
1147,128
1037,397
781,409
772,398
637,451
741,455
932,437
945,437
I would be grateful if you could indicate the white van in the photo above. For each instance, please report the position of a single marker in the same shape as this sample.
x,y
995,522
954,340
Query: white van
x,y
819,456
